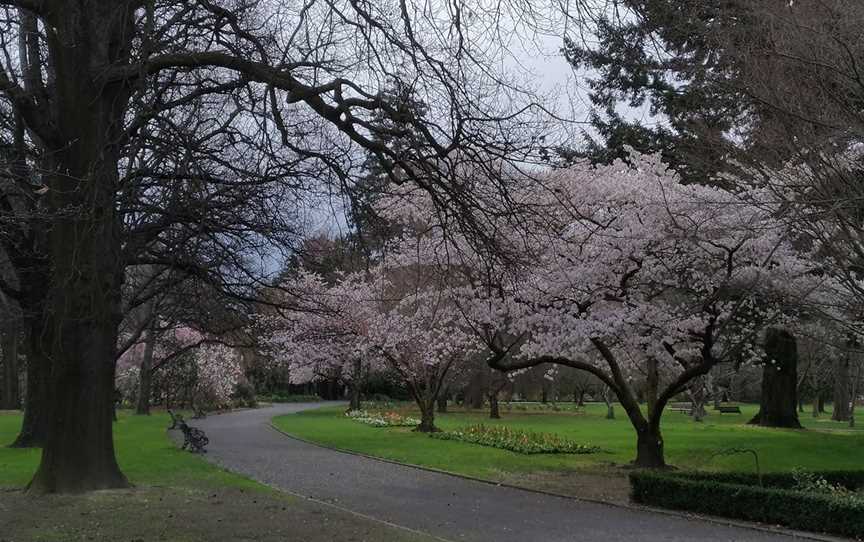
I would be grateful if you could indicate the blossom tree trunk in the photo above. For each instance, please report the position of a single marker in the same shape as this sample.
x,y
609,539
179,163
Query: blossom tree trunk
x,y
83,310
355,384
778,405
841,390
609,399
494,410
427,415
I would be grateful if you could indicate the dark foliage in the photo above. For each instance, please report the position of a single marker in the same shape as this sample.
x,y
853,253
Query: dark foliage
x,y
739,496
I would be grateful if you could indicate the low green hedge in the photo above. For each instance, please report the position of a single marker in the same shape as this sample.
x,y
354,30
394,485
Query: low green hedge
x,y
739,496
850,479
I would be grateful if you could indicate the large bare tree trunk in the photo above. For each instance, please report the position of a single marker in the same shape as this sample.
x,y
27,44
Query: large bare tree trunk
x,y
81,332
10,396
34,427
83,310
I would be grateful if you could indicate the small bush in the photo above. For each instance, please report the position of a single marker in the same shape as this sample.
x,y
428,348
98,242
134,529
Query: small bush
x,y
785,499
382,419
523,442
244,395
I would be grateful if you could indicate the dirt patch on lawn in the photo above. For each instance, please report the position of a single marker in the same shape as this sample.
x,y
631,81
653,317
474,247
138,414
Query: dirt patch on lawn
x,y
610,485
184,515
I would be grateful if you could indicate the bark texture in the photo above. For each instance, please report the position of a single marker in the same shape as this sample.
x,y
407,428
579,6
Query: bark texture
x,y
10,398
34,427
841,409
778,406
83,310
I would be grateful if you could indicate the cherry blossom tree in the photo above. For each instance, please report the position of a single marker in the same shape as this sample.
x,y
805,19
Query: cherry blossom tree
x,y
396,318
319,330
621,270
213,370
420,334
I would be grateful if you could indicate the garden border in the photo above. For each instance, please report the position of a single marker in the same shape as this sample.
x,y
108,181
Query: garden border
x,y
674,513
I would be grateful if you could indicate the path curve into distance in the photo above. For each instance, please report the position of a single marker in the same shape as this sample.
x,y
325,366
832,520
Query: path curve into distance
x,y
444,506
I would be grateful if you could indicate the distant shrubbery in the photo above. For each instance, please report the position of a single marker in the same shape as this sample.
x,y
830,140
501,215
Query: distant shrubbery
x,y
244,396
285,398
829,502
523,442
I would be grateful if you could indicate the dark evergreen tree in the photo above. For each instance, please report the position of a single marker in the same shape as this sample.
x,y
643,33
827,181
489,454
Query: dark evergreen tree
x,y
658,57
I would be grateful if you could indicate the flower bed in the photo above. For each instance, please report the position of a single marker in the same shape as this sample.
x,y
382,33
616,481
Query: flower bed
x,y
523,442
382,419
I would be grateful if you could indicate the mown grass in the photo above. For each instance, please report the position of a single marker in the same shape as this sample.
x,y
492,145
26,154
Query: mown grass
x,y
145,453
177,496
824,445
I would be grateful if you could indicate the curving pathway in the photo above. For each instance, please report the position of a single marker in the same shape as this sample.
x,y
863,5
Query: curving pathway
x,y
444,506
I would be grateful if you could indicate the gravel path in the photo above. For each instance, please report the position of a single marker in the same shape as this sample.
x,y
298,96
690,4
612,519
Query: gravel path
x,y
444,506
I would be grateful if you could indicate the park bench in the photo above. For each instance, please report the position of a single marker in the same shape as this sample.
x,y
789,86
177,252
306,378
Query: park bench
x,y
194,439
729,409
681,407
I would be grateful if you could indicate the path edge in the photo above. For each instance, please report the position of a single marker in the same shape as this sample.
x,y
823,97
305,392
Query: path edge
x,y
626,506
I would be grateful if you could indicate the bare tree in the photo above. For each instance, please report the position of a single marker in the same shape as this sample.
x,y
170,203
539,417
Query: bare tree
x,y
291,99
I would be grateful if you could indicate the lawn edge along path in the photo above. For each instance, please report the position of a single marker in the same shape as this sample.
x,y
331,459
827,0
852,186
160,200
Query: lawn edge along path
x,y
774,529
177,438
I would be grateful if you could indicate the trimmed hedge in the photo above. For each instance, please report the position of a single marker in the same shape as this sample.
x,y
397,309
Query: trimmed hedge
x,y
850,479
738,496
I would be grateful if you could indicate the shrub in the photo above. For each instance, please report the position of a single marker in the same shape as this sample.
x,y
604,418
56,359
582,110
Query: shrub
x,y
523,442
785,499
382,419
244,395
851,480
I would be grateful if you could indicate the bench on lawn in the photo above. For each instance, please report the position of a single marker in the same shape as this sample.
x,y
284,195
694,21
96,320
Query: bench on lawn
x,y
681,407
194,439
729,409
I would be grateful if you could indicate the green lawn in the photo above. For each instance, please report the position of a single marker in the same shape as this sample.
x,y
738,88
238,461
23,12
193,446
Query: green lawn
x,y
824,445
145,453
177,496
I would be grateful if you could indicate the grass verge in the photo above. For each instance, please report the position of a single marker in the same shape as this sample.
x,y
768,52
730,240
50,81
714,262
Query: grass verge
x,y
177,497
690,445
